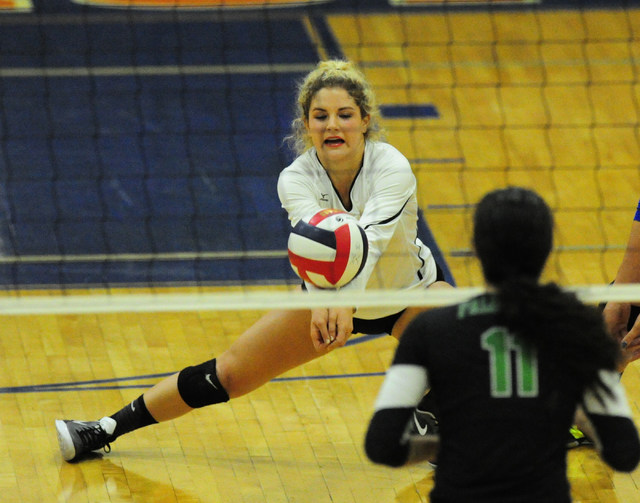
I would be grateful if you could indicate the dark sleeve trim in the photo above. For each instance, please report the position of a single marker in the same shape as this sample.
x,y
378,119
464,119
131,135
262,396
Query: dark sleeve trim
x,y
384,442
383,222
619,440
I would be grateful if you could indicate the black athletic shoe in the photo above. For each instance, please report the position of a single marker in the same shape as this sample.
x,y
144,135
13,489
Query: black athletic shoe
x,y
78,438
424,423
577,439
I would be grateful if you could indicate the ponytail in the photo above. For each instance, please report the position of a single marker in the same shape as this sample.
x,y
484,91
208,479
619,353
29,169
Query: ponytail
x,y
559,325
513,236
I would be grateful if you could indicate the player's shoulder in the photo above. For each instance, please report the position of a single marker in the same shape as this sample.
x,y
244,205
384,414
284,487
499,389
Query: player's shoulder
x,y
305,168
386,154
305,162
428,321
440,314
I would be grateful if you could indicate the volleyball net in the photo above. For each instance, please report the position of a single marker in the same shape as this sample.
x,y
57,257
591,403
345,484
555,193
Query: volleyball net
x,y
141,140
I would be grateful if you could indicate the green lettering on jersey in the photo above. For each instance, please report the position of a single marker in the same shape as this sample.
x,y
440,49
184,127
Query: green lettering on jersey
x,y
503,347
477,306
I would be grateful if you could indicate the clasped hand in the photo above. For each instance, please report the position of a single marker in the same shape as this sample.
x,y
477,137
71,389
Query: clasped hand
x,y
331,327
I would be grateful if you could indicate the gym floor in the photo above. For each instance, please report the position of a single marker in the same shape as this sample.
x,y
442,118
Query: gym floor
x,y
148,169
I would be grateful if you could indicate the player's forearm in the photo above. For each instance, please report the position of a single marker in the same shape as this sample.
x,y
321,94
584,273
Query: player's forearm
x,y
617,442
629,271
423,449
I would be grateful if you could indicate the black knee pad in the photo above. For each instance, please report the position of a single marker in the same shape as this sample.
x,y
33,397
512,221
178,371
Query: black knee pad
x,y
199,385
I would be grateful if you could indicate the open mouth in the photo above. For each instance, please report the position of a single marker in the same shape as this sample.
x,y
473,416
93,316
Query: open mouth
x,y
334,142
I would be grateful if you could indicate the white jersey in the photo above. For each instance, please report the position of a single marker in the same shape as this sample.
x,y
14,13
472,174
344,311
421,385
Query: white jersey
x,y
383,198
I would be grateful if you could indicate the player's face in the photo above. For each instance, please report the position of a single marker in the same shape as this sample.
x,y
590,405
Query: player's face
x,y
336,127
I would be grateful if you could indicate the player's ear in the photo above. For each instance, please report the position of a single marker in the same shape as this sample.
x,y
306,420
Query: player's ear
x,y
365,123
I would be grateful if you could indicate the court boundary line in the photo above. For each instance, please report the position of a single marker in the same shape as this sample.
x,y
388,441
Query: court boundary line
x,y
96,384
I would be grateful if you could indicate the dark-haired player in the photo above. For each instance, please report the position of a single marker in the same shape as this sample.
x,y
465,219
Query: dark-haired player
x,y
501,364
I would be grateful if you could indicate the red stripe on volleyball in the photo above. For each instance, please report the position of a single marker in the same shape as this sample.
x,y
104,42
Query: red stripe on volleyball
x,y
321,267
343,250
322,214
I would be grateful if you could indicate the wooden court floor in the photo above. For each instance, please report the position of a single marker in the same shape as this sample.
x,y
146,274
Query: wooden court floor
x,y
543,99
298,439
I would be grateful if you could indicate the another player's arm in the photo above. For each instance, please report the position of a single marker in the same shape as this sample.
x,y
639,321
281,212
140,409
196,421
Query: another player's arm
x,y
616,314
616,434
629,271
388,440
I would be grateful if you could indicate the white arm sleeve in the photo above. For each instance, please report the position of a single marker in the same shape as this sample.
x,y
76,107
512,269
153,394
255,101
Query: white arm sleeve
x,y
403,387
598,402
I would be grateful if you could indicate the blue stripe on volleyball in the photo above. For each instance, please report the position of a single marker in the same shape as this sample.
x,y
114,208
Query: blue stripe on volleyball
x,y
322,236
365,250
410,111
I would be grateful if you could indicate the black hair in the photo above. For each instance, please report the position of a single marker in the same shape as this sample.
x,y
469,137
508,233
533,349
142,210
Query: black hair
x,y
513,236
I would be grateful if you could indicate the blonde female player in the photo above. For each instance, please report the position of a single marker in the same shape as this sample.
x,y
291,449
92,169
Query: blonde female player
x,y
342,164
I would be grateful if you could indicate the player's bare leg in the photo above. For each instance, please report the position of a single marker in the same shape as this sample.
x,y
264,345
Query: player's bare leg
x,y
277,342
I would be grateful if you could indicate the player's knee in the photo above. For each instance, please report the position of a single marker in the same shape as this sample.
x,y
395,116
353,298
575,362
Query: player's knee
x,y
199,385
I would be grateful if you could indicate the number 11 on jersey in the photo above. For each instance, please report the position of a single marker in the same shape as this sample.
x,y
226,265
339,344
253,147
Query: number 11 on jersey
x,y
503,347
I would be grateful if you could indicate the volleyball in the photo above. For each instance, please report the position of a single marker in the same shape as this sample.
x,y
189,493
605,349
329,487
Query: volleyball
x,y
329,250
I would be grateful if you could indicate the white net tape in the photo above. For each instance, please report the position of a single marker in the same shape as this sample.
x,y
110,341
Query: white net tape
x,y
261,300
